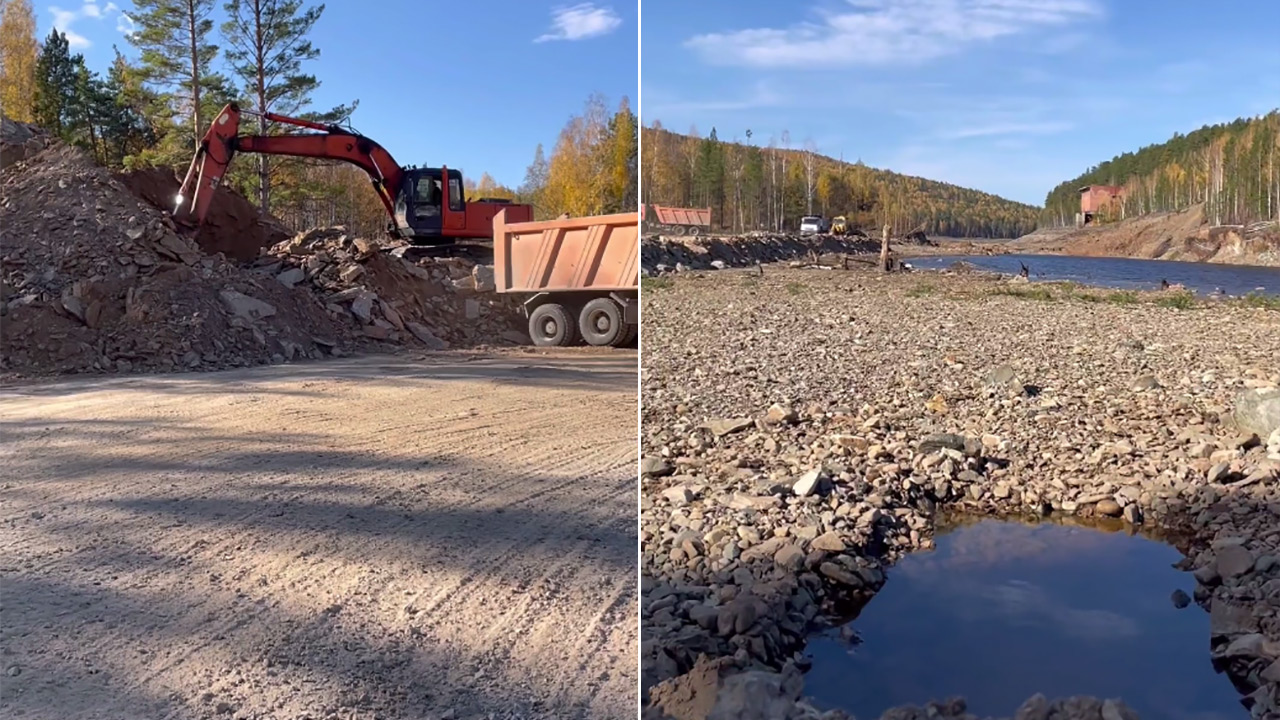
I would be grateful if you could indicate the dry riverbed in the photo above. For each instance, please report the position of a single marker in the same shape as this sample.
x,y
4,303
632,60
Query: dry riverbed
x,y
802,429
373,537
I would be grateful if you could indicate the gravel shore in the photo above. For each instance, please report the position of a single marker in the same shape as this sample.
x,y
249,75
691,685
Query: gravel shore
x,y
803,428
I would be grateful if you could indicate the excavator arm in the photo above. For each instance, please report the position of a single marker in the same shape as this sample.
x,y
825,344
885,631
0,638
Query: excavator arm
x,y
332,142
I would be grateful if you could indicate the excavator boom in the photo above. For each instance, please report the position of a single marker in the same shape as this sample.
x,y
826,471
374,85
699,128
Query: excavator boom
x,y
426,205
223,140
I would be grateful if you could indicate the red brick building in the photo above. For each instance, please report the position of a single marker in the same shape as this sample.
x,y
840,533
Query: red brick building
x,y
1096,199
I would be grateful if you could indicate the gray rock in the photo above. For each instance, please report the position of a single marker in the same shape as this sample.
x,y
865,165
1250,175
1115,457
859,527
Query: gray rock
x,y
790,557
1004,376
705,616
1272,672
1180,599
1227,620
1218,472
829,542
840,575
292,277
654,466
482,278
1258,411
720,428
780,414
1146,382
940,441
241,305
426,337
678,495
1108,507
1035,708
1234,561
808,483
1133,514
362,306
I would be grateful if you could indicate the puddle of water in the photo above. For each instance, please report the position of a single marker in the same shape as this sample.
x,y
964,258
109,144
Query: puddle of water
x,y
1002,610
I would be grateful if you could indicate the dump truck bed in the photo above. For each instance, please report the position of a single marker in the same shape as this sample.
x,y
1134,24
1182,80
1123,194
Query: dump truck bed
x,y
700,217
599,254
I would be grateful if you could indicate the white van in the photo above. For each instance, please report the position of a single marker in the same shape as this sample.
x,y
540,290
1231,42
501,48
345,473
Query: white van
x,y
812,225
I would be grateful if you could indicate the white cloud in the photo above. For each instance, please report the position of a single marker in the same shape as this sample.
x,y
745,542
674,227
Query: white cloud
x,y
63,19
1006,128
580,22
882,32
125,24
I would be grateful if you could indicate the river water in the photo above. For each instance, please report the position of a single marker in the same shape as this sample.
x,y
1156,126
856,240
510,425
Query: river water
x,y
1002,610
1125,273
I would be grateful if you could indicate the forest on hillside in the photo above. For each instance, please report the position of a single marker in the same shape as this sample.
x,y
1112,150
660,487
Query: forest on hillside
x,y
1233,168
749,187
189,58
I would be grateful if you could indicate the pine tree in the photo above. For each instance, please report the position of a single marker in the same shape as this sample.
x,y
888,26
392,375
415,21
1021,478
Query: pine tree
x,y
177,57
267,44
18,53
55,83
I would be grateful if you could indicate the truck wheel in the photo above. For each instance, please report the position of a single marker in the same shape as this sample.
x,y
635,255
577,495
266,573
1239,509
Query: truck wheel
x,y
694,231
551,325
680,230
629,337
601,322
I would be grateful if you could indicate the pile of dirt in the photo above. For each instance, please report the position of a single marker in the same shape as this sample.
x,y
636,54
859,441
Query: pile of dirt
x,y
1184,235
95,279
19,140
440,302
233,227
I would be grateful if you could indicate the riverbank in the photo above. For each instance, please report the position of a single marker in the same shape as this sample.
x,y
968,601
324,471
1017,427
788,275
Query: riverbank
x,y
1180,236
790,462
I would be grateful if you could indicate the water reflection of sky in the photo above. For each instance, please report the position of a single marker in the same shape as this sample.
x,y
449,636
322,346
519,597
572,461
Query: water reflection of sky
x,y
1129,273
1000,611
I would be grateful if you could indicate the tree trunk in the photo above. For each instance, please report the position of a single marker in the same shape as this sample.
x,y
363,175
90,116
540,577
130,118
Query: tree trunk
x,y
884,249
264,168
195,74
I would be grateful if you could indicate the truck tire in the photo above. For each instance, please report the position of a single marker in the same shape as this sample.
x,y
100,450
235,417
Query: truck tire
x,y
694,230
629,337
601,323
551,325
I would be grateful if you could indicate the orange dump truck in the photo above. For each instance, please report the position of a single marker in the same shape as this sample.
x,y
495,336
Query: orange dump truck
x,y
581,276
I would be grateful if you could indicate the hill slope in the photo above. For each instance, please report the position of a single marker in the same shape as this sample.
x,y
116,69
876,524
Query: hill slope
x,y
749,187
1232,169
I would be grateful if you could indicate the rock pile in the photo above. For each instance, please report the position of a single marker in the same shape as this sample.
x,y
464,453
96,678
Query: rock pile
x,y
233,225
721,689
788,463
97,279
94,279
19,141
660,254
437,302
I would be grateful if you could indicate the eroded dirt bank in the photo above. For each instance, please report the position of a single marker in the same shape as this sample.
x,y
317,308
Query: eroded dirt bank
x,y
1180,235
788,462
368,537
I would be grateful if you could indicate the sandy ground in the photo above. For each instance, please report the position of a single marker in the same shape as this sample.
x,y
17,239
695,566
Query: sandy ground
x,y
374,537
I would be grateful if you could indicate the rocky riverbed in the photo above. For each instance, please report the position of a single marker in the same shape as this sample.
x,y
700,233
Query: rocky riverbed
x,y
802,429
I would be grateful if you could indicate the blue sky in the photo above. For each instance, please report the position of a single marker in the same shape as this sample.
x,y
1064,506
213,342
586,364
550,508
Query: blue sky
x,y
1007,96
471,85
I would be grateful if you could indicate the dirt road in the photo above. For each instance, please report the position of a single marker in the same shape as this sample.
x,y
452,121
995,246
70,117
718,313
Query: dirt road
x,y
367,538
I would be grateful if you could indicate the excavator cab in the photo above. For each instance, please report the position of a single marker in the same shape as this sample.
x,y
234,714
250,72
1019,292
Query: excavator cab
x,y
430,204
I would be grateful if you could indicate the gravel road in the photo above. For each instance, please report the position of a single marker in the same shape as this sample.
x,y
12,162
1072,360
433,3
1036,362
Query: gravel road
x,y
376,537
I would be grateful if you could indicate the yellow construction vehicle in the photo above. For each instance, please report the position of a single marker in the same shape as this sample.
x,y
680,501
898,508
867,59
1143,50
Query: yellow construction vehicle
x,y
839,226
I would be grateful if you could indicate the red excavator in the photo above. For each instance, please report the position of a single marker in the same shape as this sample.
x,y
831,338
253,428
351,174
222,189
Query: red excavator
x,y
427,206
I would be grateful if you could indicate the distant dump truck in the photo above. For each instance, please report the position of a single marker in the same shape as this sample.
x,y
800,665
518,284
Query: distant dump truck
x,y
581,276
678,221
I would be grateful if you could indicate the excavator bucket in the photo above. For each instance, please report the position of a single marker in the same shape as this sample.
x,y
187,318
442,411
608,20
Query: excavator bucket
x,y
207,167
